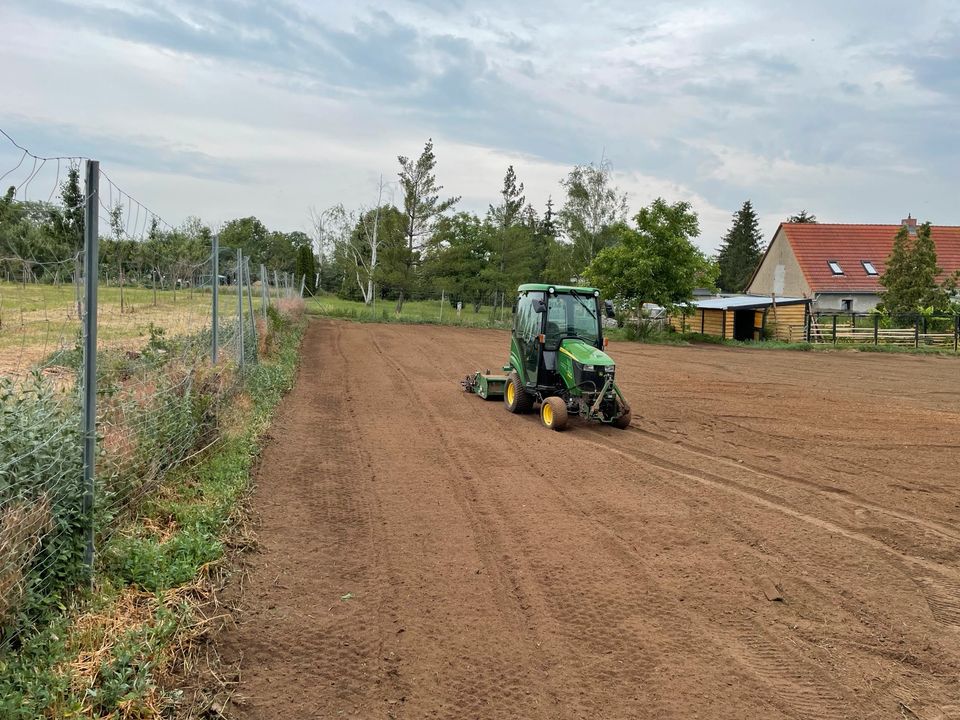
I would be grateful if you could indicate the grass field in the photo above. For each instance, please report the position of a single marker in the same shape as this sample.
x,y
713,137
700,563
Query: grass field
x,y
38,320
414,311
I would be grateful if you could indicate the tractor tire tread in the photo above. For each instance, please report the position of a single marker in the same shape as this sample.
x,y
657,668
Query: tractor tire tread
x,y
522,400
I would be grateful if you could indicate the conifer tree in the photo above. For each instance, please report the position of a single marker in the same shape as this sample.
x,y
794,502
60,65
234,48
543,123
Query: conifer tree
x,y
740,250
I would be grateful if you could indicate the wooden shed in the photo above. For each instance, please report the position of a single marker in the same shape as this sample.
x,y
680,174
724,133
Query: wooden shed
x,y
746,317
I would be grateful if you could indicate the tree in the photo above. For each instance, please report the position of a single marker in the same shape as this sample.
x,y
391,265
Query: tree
x,y
910,277
656,262
249,235
306,267
421,206
592,207
511,227
740,250
802,217
455,258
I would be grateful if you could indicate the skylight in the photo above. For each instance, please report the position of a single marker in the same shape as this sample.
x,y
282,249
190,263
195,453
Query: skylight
x,y
868,266
835,267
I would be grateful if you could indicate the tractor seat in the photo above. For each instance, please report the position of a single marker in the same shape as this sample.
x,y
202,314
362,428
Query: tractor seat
x,y
553,329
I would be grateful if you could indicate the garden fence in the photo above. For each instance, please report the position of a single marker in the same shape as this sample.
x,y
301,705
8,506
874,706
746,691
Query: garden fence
x,y
108,379
916,330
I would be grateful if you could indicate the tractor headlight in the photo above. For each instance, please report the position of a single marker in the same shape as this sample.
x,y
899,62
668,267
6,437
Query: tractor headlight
x,y
589,368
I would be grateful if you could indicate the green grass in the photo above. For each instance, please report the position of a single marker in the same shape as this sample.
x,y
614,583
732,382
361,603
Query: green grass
x,y
139,618
37,320
414,311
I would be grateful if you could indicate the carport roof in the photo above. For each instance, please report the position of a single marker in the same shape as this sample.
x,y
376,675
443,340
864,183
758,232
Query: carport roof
x,y
744,302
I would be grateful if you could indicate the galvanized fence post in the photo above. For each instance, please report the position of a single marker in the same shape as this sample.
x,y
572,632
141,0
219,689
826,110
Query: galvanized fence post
x,y
264,295
303,284
956,331
239,281
91,237
215,307
253,318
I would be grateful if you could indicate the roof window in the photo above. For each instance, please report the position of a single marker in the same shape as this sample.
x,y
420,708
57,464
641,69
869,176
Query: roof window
x,y
835,267
868,267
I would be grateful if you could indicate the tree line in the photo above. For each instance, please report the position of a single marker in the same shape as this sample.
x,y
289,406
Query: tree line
x,y
423,245
42,241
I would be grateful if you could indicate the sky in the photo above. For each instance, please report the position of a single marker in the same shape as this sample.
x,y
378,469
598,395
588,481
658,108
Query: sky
x,y
849,110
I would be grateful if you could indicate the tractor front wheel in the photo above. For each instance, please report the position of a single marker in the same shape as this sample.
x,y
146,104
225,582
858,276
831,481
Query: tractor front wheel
x,y
515,397
553,413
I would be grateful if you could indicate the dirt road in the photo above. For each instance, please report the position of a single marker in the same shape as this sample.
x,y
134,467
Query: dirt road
x,y
424,554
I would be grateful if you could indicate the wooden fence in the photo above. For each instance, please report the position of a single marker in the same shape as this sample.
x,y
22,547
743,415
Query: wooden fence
x,y
916,332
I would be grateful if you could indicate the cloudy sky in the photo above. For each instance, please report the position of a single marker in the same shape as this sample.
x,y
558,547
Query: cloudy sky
x,y
850,110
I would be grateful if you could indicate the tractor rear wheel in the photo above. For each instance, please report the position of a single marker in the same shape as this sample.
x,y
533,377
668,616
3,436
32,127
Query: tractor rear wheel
x,y
515,397
623,422
553,413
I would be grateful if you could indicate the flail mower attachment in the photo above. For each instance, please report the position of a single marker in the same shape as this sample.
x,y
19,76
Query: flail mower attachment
x,y
485,385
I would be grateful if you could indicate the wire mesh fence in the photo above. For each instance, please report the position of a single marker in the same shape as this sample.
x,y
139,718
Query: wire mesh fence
x,y
121,339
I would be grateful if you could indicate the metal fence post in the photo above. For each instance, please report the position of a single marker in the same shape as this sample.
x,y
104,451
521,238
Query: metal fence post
x,y
303,284
876,329
215,308
916,333
956,332
239,280
91,237
253,318
834,329
264,294
276,283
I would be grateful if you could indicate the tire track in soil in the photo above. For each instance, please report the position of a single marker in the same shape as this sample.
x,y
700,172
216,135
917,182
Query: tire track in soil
x,y
303,649
588,620
827,696
796,695
488,682
938,581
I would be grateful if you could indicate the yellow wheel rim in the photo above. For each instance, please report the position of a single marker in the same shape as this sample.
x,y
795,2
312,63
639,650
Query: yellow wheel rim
x,y
547,414
511,393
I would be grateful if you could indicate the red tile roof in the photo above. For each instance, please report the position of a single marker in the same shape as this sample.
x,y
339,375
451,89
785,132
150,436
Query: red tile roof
x,y
815,244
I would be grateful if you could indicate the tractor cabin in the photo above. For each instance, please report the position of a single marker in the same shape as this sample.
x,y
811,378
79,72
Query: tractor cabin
x,y
746,317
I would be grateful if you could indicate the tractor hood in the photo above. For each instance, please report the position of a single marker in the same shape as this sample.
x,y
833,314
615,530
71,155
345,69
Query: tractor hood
x,y
584,353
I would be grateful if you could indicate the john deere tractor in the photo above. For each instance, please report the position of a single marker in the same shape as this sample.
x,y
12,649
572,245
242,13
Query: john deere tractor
x,y
557,359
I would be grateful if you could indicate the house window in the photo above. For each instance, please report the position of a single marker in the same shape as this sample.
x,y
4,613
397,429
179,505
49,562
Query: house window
x,y
846,305
835,267
868,266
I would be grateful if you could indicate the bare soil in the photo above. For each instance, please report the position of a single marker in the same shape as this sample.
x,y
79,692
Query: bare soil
x,y
425,554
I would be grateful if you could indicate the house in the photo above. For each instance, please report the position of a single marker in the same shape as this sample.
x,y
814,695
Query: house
x,y
839,266
745,317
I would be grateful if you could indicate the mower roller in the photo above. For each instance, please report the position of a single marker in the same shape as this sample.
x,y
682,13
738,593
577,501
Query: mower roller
x,y
557,359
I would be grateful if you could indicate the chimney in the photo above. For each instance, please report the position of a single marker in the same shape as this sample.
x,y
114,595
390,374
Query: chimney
x,y
911,223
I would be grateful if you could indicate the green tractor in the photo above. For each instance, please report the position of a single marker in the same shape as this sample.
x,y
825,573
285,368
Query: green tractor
x,y
557,359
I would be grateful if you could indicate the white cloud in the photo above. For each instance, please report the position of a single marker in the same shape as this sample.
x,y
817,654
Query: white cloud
x,y
840,110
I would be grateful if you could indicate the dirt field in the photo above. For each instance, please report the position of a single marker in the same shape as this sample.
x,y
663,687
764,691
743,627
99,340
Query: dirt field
x,y
424,554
